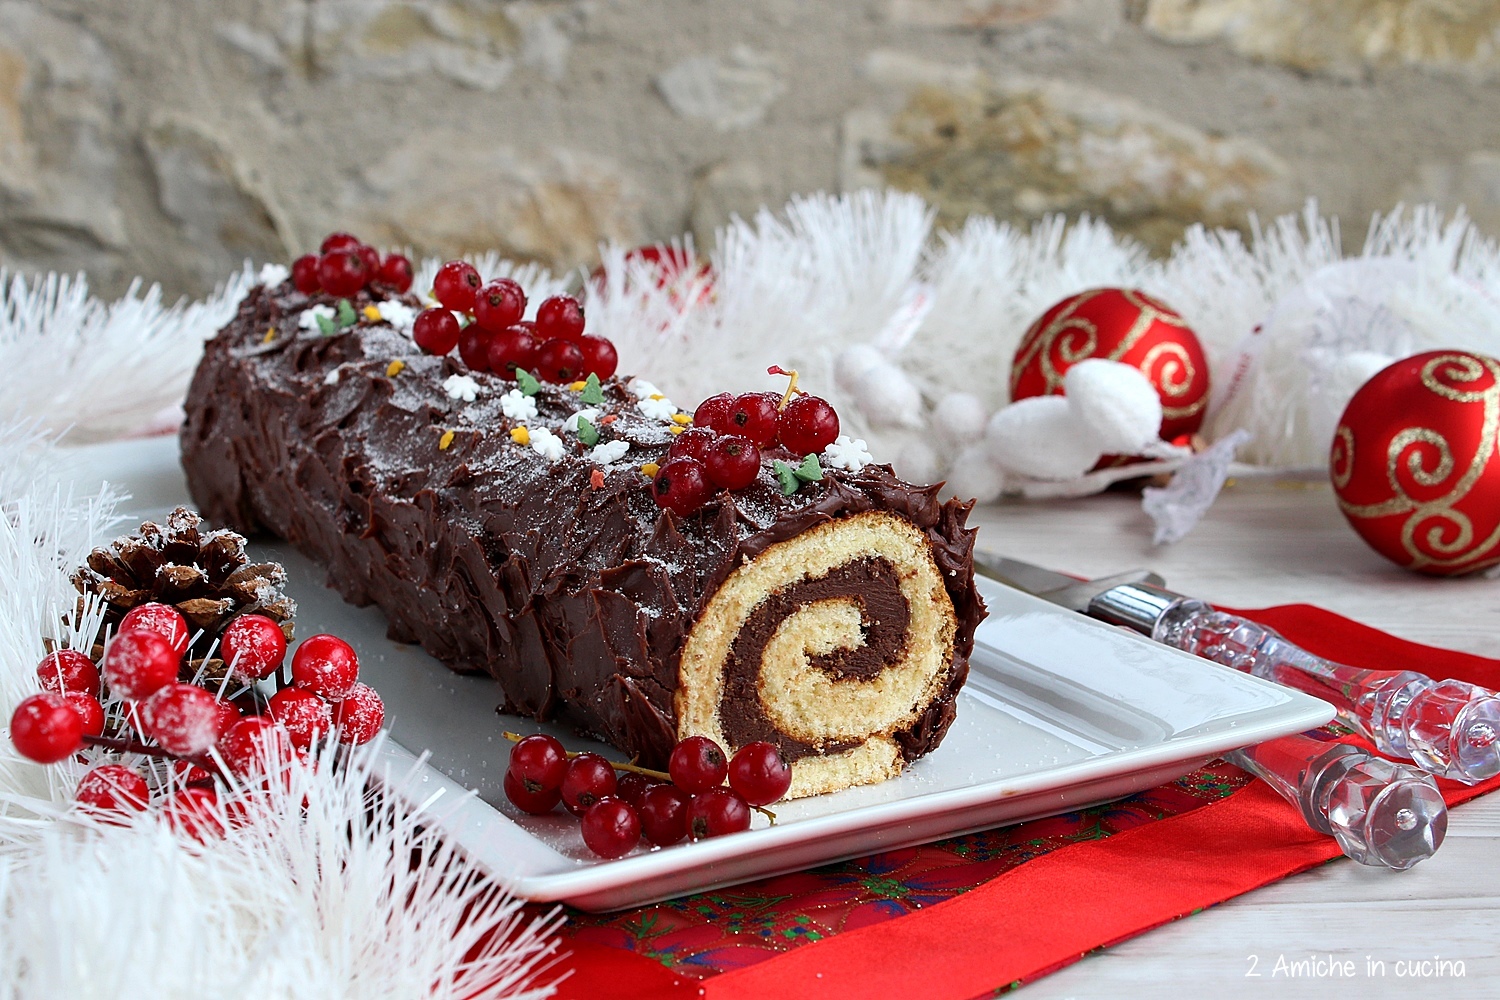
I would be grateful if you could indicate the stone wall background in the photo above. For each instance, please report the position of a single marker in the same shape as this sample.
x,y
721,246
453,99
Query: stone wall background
x,y
174,139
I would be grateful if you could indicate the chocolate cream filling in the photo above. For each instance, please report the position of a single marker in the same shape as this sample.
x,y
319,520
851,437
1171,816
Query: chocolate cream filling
x,y
872,583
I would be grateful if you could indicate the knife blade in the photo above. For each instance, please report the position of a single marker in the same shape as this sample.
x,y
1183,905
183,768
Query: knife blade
x,y
1059,588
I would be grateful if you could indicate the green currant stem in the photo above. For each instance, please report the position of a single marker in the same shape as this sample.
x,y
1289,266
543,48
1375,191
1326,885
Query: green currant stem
x,y
768,814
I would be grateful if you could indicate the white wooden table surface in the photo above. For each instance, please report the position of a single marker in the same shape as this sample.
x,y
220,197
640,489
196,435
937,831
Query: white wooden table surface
x,y
1279,543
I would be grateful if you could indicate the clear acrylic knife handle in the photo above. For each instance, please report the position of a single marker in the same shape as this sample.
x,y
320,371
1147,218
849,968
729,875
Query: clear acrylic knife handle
x,y
1449,728
1381,813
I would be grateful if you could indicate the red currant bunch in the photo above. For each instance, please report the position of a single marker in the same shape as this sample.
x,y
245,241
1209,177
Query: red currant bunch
x,y
344,266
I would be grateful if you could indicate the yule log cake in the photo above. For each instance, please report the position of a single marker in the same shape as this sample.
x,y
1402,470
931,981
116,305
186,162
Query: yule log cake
x,y
508,526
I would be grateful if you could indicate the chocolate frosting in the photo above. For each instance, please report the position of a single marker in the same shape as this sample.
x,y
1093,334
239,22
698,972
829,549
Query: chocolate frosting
x,y
575,594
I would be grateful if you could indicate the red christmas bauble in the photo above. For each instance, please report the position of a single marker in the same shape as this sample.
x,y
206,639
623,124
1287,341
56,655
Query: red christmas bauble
x,y
1118,324
1414,465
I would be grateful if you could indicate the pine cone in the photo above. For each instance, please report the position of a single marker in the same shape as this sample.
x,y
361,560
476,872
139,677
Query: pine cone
x,y
205,574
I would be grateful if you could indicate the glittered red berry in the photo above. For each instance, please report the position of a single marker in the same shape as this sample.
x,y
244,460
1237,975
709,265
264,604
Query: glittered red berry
x,y
90,712
599,356
187,773
499,303
611,828
256,745
305,274
474,347
697,763
359,716
663,812
732,462
539,761
338,241
808,425
631,785
559,361
343,272
436,330
512,348
588,778
537,803
253,646
560,316
163,619
682,486
455,285
716,812
307,717
194,812
68,670
45,728
325,665
759,773
183,718
692,443
113,788
228,715
753,415
396,271
713,412
138,663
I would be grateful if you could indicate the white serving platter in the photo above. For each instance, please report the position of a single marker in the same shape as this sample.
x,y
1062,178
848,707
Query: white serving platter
x,y
1060,712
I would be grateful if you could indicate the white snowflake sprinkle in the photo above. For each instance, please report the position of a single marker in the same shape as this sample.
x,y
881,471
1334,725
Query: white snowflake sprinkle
x,y
272,275
397,313
518,406
847,453
309,318
657,407
641,389
333,376
546,444
589,413
609,452
461,387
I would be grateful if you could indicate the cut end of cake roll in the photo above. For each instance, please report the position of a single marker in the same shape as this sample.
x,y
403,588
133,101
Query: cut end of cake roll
x,y
836,645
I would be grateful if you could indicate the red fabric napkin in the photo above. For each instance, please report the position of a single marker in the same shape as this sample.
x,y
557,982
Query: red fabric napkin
x,y
1036,915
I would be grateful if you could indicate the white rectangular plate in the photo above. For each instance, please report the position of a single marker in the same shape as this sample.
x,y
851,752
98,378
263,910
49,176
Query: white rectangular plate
x,y
1060,712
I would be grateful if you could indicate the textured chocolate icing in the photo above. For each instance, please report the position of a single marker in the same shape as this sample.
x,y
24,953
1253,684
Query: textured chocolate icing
x,y
575,597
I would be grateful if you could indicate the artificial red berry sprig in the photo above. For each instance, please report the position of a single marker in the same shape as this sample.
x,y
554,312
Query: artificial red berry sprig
x,y
344,266
616,811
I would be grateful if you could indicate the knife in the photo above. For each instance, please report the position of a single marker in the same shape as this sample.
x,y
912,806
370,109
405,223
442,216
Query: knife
x,y
1380,813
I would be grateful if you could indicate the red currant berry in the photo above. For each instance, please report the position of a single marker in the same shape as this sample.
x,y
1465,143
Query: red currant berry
x,y
183,718
808,425
559,361
599,356
139,663
307,717
715,812
90,712
45,728
253,646
256,745
682,486
713,413
359,716
539,761
538,803
113,788
342,272
455,285
499,303
631,785
611,828
513,348
697,763
338,241
759,773
396,271
325,665
474,347
371,258
163,619
436,330
194,812
733,462
753,415
305,274
663,811
588,779
68,670
560,316
692,443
